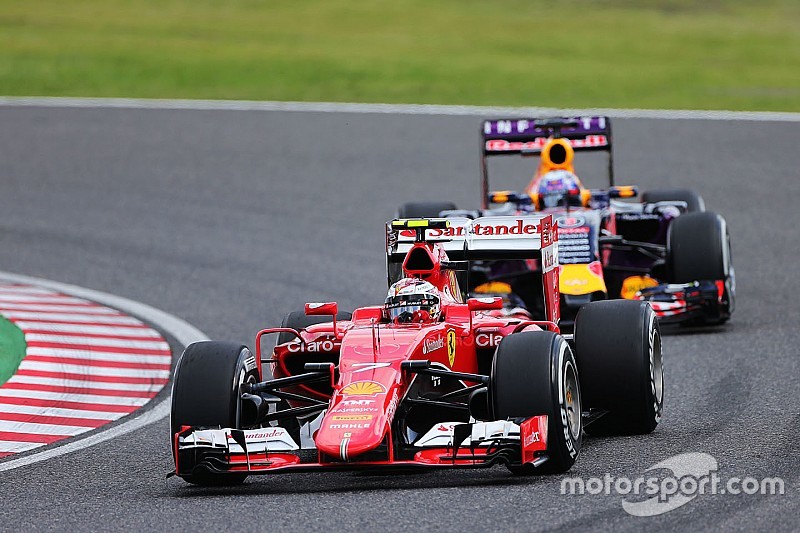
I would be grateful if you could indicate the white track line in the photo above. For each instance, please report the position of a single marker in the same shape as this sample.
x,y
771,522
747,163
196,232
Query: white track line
x,y
74,331
183,332
113,320
93,341
85,309
11,289
94,370
59,411
43,429
82,384
71,397
17,447
58,299
92,355
400,109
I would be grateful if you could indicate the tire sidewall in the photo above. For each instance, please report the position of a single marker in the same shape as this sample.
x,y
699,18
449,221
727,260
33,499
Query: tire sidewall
x,y
528,379
654,385
685,266
242,368
563,444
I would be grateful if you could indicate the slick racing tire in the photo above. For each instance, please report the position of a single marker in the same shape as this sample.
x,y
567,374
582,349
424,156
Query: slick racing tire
x,y
534,373
206,393
424,209
699,248
694,202
618,350
299,320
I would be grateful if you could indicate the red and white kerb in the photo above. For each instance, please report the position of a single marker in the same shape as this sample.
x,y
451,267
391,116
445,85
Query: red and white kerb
x,y
86,365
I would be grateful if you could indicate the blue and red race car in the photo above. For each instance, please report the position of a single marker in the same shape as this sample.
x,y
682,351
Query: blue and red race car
x,y
666,250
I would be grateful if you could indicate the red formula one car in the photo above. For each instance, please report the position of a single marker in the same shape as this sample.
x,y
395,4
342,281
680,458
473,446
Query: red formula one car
x,y
429,379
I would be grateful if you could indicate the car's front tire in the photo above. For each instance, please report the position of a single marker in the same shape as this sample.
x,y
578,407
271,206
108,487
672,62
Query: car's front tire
x,y
698,248
206,394
534,373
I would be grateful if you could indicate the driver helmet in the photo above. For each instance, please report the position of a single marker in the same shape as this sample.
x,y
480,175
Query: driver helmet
x,y
412,300
559,188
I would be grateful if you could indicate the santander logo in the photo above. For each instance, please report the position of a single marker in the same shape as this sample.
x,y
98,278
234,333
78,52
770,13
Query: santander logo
x,y
432,344
503,229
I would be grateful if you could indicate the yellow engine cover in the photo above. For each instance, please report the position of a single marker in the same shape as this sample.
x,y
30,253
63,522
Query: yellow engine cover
x,y
578,279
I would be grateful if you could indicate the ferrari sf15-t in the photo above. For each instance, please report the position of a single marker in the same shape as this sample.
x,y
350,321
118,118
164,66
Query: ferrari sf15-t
x,y
428,379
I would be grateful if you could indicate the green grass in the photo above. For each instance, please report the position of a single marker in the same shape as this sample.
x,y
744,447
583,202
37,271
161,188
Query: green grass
x,y
714,54
12,349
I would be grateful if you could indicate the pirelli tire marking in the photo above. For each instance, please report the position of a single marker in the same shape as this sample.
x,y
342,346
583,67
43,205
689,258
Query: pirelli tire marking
x,y
85,365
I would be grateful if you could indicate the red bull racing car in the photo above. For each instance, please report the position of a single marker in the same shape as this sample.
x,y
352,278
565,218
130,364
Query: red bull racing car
x,y
429,379
666,250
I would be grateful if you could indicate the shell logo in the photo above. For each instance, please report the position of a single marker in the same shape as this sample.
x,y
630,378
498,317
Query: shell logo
x,y
363,388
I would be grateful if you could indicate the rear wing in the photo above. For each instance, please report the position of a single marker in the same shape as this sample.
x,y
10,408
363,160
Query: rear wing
x,y
527,136
531,236
486,238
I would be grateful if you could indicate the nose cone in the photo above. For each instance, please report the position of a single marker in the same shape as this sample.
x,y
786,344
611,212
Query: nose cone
x,y
358,420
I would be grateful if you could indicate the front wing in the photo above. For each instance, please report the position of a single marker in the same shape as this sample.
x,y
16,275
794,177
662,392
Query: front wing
x,y
228,451
681,303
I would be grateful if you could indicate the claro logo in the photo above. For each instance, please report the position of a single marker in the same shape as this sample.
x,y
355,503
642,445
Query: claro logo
x,y
487,340
314,346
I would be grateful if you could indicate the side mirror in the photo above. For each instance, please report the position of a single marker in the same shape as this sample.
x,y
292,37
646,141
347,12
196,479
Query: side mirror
x,y
501,197
485,304
327,308
623,191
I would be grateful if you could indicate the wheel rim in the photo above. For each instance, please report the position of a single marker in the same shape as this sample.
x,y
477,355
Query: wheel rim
x,y
572,400
657,369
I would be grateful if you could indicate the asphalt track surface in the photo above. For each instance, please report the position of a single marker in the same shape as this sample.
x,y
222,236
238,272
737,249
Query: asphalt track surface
x,y
230,219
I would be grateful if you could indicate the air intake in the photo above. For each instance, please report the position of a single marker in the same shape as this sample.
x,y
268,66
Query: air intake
x,y
419,261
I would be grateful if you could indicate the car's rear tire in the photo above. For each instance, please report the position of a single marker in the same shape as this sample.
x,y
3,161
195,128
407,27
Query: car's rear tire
x,y
694,202
534,373
618,350
424,209
206,394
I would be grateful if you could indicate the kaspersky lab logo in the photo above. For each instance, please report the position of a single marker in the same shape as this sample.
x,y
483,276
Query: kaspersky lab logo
x,y
672,483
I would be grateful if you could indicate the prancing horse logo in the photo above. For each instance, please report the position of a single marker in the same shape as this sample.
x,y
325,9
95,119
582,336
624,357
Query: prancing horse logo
x,y
451,346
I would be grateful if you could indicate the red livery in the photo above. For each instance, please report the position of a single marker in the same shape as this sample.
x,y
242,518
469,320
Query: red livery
x,y
428,379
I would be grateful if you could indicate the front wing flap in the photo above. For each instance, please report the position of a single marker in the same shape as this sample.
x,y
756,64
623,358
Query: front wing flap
x,y
674,303
267,450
